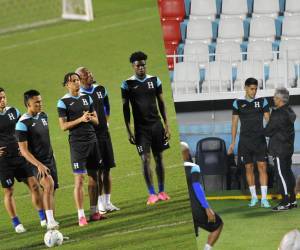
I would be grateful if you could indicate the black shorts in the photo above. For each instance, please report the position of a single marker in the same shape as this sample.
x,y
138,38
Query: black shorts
x,y
51,165
106,150
85,157
14,167
252,150
201,220
152,138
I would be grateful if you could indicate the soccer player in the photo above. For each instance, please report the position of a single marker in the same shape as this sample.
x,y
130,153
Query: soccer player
x,y
203,216
77,114
280,129
99,95
34,141
144,92
251,112
13,165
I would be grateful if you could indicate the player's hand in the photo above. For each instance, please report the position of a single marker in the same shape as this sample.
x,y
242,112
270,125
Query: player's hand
x,y
2,151
297,188
230,149
86,117
131,138
211,217
43,171
167,133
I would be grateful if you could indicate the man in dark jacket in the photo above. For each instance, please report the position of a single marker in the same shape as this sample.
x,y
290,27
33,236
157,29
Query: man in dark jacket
x,y
281,132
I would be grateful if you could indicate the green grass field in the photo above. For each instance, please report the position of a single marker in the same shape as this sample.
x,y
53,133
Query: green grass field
x,y
39,59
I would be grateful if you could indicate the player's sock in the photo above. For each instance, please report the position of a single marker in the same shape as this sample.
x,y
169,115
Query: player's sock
x,y
15,221
93,210
253,192
151,189
264,192
42,214
49,215
81,213
107,198
161,188
208,247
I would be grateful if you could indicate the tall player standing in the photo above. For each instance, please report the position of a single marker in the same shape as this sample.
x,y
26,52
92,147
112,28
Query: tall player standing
x,y
34,141
13,165
76,114
144,92
99,95
251,112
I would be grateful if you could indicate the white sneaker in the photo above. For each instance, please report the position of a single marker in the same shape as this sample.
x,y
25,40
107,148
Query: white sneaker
x,y
110,207
20,229
101,207
52,225
43,223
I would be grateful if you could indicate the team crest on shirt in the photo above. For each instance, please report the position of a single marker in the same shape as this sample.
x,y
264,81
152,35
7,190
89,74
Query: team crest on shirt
x,y
11,116
150,85
256,104
99,94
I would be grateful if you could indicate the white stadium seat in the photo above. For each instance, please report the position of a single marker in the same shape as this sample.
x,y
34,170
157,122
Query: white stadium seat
x,y
290,49
291,27
266,8
231,29
196,52
234,8
248,69
203,9
199,30
292,7
218,77
260,51
277,74
186,78
262,28
228,51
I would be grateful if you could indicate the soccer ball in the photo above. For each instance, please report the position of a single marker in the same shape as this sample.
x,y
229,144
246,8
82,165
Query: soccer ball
x,y
53,238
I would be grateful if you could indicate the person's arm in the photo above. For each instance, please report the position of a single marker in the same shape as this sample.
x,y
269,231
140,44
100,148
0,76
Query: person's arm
x,y
272,126
65,125
22,133
126,111
266,110
234,126
106,106
162,108
92,113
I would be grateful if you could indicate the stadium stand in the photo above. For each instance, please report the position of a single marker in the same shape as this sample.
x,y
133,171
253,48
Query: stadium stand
x,y
251,35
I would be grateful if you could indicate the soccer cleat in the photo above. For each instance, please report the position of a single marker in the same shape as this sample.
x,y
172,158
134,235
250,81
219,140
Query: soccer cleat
x,y
43,223
51,225
281,207
152,199
253,202
264,203
20,229
97,216
293,205
163,196
101,208
110,207
82,222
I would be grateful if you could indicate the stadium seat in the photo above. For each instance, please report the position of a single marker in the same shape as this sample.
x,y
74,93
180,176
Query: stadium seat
x,y
277,74
248,69
290,49
196,52
171,31
218,77
291,27
292,7
228,51
203,9
262,28
231,29
171,49
266,8
211,155
260,51
186,78
172,9
199,31
234,8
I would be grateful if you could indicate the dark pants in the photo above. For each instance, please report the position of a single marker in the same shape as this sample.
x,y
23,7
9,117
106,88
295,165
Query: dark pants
x,y
286,177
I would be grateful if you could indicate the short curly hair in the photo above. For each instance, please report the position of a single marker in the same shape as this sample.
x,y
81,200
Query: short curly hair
x,y
138,56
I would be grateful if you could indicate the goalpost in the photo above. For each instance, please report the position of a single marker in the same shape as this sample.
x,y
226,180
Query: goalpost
x,y
25,14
